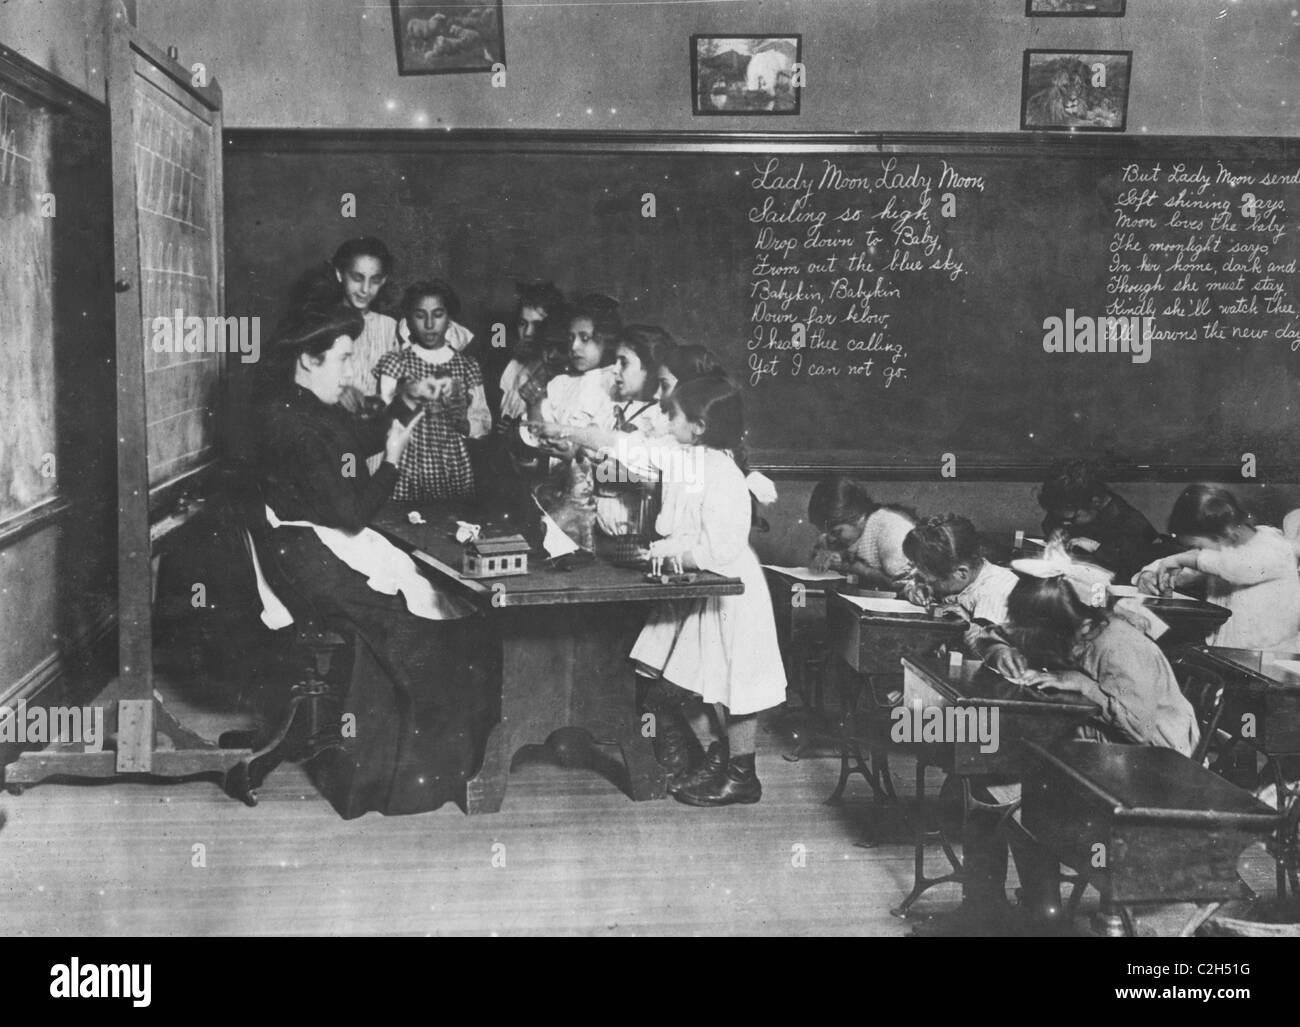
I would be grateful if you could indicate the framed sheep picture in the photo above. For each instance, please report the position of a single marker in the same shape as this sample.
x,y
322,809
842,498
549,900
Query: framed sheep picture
x,y
1075,8
449,37
746,74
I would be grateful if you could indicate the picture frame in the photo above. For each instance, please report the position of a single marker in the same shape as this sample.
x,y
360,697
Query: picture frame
x,y
743,75
445,37
1075,8
1075,90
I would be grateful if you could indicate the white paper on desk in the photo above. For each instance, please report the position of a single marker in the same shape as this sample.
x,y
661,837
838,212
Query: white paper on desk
x,y
884,605
805,573
1153,625
556,543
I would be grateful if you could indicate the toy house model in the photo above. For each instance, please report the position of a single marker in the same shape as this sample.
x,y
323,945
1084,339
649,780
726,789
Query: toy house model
x,y
496,557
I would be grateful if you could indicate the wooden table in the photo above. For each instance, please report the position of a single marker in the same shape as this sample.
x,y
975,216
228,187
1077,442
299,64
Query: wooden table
x,y
565,639
1142,824
1262,710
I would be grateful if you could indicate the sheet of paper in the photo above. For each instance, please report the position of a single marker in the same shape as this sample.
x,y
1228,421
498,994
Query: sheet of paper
x,y
1155,626
556,542
873,605
806,573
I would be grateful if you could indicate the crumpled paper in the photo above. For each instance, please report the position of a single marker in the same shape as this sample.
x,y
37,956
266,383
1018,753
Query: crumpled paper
x,y
466,532
415,517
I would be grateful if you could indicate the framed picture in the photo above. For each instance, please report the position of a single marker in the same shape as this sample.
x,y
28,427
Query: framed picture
x,y
745,74
1075,8
1072,91
449,37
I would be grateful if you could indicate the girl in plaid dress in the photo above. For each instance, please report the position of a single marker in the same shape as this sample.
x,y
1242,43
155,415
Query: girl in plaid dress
x,y
436,463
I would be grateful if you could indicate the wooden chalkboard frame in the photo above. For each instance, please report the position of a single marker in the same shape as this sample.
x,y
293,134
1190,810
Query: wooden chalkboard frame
x,y
65,100
798,463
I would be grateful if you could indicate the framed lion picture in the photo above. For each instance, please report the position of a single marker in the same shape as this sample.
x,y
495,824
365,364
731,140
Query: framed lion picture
x,y
1074,91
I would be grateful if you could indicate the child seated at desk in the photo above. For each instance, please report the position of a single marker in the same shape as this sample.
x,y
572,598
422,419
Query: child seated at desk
x,y
1054,640
1250,570
1059,642
951,568
860,537
1079,505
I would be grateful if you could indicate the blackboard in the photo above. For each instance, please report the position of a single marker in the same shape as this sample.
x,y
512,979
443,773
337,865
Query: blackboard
x,y
55,294
951,300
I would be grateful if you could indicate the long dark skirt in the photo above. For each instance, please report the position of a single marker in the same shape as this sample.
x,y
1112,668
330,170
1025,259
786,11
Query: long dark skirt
x,y
423,695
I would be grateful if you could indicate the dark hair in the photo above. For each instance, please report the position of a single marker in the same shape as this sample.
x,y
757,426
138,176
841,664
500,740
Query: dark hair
x,y
1206,510
364,246
1044,616
1071,483
837,500
606,323
312,332
542,295
686,363
434,287
938,545
651,345
717,404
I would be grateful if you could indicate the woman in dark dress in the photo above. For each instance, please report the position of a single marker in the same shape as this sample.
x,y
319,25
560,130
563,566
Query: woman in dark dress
x,y
421,692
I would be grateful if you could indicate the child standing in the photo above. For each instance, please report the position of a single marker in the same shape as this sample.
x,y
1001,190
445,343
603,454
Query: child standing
x,y
363,269
722,649
436,464
860,537
1250,570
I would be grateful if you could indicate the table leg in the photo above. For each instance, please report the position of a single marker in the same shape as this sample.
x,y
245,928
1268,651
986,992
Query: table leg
x,y
567,667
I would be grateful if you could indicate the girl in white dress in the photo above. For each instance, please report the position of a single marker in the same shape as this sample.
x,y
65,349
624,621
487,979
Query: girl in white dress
x,y
722,649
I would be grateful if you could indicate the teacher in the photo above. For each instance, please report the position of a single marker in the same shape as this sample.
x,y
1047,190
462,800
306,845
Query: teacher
x,y
421,694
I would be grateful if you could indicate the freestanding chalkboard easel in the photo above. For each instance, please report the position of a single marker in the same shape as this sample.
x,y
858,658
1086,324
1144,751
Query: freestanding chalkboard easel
x,y
142,738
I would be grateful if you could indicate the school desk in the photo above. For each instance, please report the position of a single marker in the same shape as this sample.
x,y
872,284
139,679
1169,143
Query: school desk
x,y
1191,621
866,650
1141,824
565,639
1024,715
799,610
1262,709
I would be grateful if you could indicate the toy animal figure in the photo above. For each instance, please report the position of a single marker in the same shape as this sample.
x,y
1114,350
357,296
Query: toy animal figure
x,y
572,504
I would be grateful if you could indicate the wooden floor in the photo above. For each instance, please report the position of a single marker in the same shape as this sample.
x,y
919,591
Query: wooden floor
x,y
579,858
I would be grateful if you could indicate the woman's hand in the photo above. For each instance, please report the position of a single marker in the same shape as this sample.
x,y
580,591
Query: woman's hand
x,y
1008,661
399,436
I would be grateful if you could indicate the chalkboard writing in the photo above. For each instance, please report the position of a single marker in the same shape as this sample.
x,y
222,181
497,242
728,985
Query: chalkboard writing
x,y
1203,249
883,306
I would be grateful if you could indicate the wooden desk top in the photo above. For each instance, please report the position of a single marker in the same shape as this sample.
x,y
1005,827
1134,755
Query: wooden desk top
x,y
434,545
904,620
1260,666
976,685
1143,782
